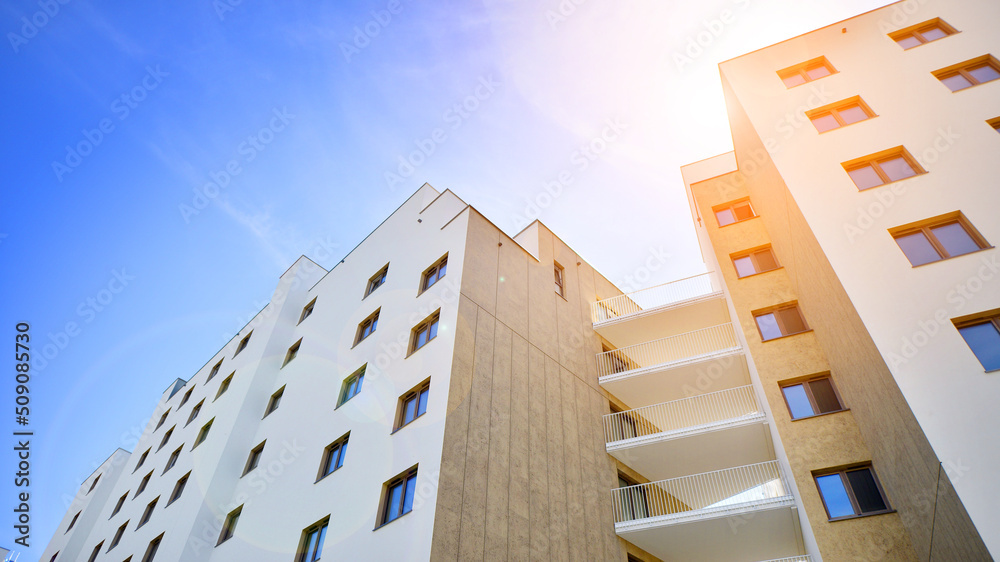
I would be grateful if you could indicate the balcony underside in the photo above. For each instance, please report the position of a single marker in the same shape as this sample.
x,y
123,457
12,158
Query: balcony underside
x,y
663,321
680,379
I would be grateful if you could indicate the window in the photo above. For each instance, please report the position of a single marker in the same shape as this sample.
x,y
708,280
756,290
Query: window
x,y
229,527
224,386
215,371
292,352
53,559
839,114
118,536
779,322
142,459
938,238
151,549
397,496
434,273
166,437
413,404
377,280
142,484
425,331
94,484
366,327
173,458
187,396
352,385
97,550
194,412
925,32
806,72
333,456
254,459
118,506
311,547
307,310
163,418
969,73
995,123
810,397
243,344
752,262
982,334
881,168
148,512
635,505
203,434
178,488
851,492
272,404
73,522
734,212
558,273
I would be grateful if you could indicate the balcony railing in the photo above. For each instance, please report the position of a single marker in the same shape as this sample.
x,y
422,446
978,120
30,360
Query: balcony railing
x,y
703,342
705,411
799,558
710,494
652,297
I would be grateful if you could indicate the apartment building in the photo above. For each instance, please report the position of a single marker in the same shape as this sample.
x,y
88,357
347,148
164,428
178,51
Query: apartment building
x,y
854,227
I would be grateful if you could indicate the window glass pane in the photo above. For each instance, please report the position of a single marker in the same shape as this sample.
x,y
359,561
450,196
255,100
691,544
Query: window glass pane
x,y
433,330
956,82
984,340
411,487
422,406
421,338
897,168
340,455
824,395
725,216
984,73
793,80
743,211
744,266
865,177
409,410
798,402
319,542
825,123
442,269
791,320
852,114
865,490
768,326
908,42
933,33
765,260
831,487
818,72
955,239
395,497
917,249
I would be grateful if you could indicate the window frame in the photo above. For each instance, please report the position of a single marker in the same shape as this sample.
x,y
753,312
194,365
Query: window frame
x,y
253,459
731,207
363,332
202,434
434,271
292,353
185,398
875,161
93,484
243,344
163,420
804,382
915,31
317,529
842,471
274,401
147,513
178,489
428,325
401,479
215,370
834,110
118,506
118,536
224,385
412,395
994,123
307,310
773,310
154,545
142,460
166,437
376,281
559,274
195,410
963,69
358,377
229,526
752,253
72,522
172,460
338,447
991,317
802,70
97,550
142,484
925,226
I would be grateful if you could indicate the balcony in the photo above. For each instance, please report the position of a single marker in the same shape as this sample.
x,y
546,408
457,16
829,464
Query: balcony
x,y
691,435
674,367
665,310
745,512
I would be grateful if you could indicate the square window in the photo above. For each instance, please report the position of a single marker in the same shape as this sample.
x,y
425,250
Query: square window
x,y
173,458
118,536
142,484
224,386
151,549
352,385
166,437
229,527
178,488
434,273
142,459
806,72
203,434
194,412
425,331
413,404
852,492
272,403
307,310
733,212
559,279
779,322
810,397
148,512
881,168
969,73
187,396
243,344
118,506
333,456
377,280
397,496
938,238
839,114
254,459
292,352
311,545
215,371
163,418
367,327
982,334
754,261
923,32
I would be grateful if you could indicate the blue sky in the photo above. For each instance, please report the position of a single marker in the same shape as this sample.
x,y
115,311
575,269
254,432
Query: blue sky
x,y
163,163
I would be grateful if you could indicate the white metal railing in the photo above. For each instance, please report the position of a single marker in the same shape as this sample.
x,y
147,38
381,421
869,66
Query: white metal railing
x,y
709,493
724,405
667,350
799,558
652,297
